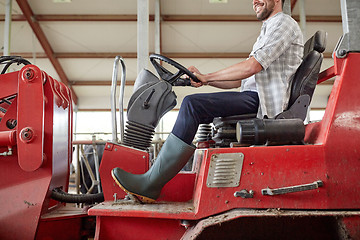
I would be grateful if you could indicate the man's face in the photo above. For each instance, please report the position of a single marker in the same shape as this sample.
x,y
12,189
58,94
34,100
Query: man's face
x,y
263,8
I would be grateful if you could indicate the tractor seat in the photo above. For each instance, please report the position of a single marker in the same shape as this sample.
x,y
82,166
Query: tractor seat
x,y
303,84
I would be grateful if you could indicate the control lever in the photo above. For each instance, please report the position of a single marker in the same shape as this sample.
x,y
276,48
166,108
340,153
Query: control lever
x,y
146,104
244,193
292,189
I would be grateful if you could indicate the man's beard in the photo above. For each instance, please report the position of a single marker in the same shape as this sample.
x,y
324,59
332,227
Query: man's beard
x,y
266,12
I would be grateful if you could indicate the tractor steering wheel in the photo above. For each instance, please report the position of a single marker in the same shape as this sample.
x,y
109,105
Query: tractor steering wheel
x,y
165,74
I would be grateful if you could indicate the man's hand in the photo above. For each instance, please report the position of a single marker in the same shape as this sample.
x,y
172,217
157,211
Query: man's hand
x,y
199,76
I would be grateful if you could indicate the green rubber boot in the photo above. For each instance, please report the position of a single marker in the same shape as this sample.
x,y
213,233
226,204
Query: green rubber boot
x,y
172,157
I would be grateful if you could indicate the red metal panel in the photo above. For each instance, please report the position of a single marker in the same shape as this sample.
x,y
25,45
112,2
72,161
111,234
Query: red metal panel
x,y
133,160
274,167
22,196
25,194
278,166
330,155
8,138
9,86
57,127
138,228
326,74
137,161
9,116
342,146
60,229
30,129
179,189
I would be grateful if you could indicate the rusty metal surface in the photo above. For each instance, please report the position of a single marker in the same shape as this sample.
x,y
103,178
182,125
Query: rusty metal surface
x,y
195,231
123,207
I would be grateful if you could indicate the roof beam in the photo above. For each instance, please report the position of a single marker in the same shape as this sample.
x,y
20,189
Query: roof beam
x,y
293,3
164,18
131,83
134,55
35,26
99,83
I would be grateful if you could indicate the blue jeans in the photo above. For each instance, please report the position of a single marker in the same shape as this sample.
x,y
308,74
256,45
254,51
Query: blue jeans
x,y
204,107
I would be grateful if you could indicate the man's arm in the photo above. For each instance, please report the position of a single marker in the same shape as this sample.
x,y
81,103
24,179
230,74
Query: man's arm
x,y
229,77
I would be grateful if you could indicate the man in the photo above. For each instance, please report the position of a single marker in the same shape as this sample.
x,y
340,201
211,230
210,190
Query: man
x,y
263,78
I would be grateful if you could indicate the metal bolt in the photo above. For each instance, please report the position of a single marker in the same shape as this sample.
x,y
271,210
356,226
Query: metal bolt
x,y
29,74
244,193
115,199
26,134
185,223
342,52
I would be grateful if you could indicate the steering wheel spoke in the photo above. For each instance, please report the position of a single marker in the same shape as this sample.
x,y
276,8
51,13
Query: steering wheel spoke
x,y
165,74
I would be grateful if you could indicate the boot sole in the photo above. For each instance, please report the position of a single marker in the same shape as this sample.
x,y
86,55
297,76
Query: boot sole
x,y
140,198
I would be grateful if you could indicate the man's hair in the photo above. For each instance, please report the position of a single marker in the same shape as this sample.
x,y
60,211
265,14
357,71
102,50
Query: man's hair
x,y
282,3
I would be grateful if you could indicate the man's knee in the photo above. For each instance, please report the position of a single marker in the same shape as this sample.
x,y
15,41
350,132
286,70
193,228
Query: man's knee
x,y
189,101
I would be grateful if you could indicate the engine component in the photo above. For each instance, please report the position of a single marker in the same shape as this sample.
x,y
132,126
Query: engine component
x,y
266,131
204,133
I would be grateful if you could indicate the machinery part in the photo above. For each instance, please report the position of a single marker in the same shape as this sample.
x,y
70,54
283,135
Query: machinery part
x,y
349,42
297,110
61,196
121,99
91,156
5,104
225,170
152,98
27,134
165,74
30,148
182,82
8,153
204,133
244,193
185,223
9,60
224,131
8,138
262,131
292,189
138,135
172,157
11,123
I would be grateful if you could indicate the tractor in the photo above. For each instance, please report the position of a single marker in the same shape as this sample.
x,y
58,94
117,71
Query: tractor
x,y
250,178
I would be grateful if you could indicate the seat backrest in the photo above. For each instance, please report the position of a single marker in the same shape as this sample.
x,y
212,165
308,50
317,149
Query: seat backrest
x,y
305,78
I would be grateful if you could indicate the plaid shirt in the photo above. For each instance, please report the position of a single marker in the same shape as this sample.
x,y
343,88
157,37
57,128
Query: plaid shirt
x,y
279,50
